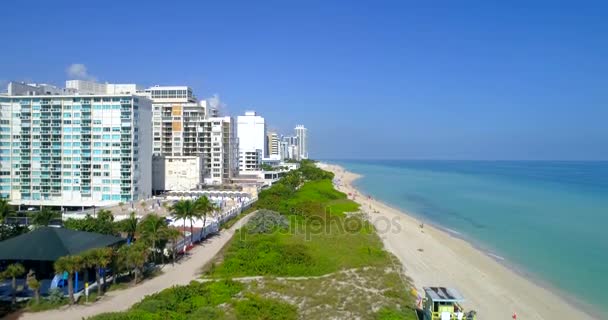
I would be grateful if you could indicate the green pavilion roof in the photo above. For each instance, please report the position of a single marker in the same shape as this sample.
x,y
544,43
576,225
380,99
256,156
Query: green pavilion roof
x,y
49,244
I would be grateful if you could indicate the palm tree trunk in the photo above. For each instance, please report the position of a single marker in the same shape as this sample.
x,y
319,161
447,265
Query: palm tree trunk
x,y
98,281
191,233
71,288
173,252
37,295
14,299
104,279
135,276
183,232
154,249
204,220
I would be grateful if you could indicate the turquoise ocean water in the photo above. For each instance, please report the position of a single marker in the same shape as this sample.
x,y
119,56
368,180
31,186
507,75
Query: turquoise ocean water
x,y
546,219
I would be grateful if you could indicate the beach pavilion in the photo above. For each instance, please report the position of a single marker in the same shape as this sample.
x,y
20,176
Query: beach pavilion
x,y
40,248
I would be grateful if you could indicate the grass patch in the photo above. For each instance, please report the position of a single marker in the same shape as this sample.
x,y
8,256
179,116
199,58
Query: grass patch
x,y
212,300
350,294
258,308
119,286
302,252
45,305
194,301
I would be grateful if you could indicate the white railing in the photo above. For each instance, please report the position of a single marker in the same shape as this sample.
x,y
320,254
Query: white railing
x,y
213,227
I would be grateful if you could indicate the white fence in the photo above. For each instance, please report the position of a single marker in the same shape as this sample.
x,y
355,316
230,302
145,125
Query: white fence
x,y
214,227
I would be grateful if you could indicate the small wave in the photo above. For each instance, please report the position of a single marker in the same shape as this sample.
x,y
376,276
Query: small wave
x,y
451,231
495,256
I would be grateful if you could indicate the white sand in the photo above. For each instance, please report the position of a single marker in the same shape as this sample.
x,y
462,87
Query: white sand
x,y
491,288
120,300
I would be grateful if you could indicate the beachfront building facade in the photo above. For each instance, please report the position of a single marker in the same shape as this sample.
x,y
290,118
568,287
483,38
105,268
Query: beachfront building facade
x,y
223,157
273,145
64,148
251,131
184,127
169,104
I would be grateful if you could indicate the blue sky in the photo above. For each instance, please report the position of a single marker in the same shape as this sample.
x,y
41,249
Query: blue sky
x,y
373,79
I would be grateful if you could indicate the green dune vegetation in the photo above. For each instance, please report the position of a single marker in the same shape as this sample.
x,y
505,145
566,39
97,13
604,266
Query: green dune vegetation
x,y
305,254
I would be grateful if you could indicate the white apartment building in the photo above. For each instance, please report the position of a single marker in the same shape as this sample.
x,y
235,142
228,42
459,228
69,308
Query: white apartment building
x,y
302,146
73,150
251,131
224,150
273,144
283,150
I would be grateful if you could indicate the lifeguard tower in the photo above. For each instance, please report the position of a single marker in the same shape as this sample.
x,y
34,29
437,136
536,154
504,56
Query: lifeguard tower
x,y
442,303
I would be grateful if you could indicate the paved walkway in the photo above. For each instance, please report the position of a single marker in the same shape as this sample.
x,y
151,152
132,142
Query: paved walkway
x,y
180,274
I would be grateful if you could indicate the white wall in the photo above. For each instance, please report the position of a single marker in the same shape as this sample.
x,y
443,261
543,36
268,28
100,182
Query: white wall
x,y
183,173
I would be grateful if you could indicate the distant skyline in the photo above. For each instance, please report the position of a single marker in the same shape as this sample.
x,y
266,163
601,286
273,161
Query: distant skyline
x,y
380,79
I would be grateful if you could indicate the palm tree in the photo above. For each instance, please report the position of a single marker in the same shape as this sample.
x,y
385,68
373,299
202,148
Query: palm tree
x,y
100,258
34,284
88,261
151,228
129,226
205,207
71,265
136,257
13,271
44,217
104,259
105,215
173,234
118,262
185,209
5,210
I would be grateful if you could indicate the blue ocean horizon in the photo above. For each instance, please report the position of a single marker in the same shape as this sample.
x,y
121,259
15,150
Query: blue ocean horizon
x,y
547,219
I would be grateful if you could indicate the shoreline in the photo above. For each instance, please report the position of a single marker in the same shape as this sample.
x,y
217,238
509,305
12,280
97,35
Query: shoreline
x,y
437,256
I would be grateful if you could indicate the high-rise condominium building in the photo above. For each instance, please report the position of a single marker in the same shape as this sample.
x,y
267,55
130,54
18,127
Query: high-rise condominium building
x,y
283,150
60,147
273,145
302,134
290,147
251,131
224,149
182,129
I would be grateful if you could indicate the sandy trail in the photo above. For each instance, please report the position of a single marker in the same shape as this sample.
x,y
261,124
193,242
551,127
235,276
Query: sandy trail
x,y
120,300
432,257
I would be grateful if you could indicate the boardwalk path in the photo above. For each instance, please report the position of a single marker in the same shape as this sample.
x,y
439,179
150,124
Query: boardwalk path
x,y
120,300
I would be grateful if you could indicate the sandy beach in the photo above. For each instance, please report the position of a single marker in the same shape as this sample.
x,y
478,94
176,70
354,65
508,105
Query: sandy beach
x,y
433,257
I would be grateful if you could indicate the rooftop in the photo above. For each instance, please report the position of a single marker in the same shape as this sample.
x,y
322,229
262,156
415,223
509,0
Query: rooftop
x,y
49,244
442,294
